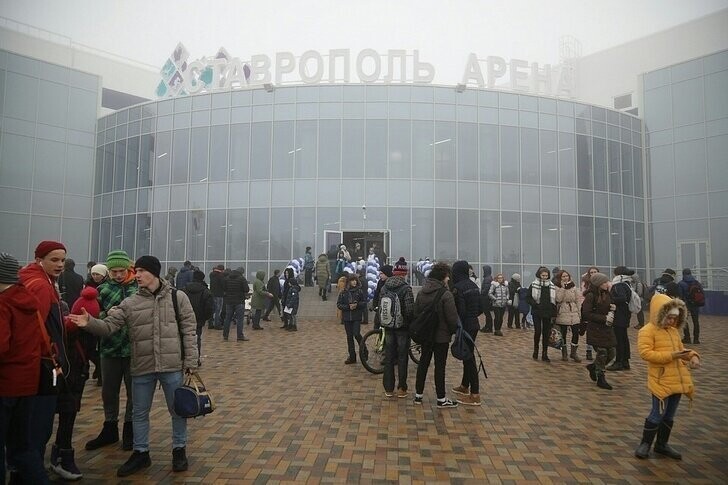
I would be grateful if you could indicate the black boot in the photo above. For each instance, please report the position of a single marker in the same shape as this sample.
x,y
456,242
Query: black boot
x,y
602,382
574,356
109,435
648,435
615,366
137,461
179,460
564,353
66,465
663,435
127,437
592,372
535,352
589,355
545,354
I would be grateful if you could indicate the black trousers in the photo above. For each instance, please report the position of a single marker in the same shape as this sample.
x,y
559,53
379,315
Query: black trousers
x,y
440,351
622,348
396,351
499,311
470,368
513,317
695,315
574,333
541,332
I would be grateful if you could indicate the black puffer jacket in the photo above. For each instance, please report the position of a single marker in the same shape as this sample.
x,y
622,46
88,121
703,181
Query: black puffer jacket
x,y
594,311
485,302
348,296
467,297
217,283
201,301
236,289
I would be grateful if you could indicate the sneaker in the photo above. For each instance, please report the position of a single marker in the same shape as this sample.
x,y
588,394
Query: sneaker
x,y
402,393
350,361
65,465
266,319
417,400
388,393
462,390
498,333
447,403
696,341
243,339
470,400
179,460
137,461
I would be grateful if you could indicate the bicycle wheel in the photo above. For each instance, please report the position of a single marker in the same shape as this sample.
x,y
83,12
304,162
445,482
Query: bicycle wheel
x,y
415,352
371,351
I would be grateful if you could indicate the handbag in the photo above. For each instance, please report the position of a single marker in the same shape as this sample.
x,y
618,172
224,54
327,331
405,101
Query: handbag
x,y
555,339
192,399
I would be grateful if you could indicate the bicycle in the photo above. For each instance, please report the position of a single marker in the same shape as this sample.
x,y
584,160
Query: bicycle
x,y
372,346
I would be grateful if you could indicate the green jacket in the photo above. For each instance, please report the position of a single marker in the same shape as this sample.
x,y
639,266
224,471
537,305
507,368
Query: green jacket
x,y
259,300
111,294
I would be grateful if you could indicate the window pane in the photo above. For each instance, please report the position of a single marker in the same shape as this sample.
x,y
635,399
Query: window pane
x,y
629,245
489,153
400,149
445,240
549,158
353,148
567,169
444,150
529,156
490,230
239,151
532,238
329,160
304,230
550,240
177,233
617,238
119,164
281,234
509,154
422,233
468,234
259,225
601,229
586,241
218,154
306,135
50,165
637,166
146,160
511,237
283,150
615,179
261,151
569,241
198,158
600,164
237,235
180,158
376,149
161,160
143,234
423,137
583,162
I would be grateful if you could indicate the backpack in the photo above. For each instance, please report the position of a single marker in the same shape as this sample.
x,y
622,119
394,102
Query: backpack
x,y
422,328
390,310
695,295
462,351
635,303
655,289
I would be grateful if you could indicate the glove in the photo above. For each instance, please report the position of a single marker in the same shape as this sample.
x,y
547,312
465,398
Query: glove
x,y
610,318
612,307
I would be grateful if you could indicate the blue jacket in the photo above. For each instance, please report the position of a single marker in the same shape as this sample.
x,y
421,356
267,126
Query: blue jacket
x,y
684,286
291,292
348,296
183,277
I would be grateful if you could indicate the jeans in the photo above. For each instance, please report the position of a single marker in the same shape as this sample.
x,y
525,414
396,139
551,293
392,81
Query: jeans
x,y
695,315
470,368
199,345
236,312
396,350
353,331
604,356
144,394
499,312
272,302
43,410
440,351
542,331
513,317
574,334
622,350
256,317
113,370
16,421
670,404
218,301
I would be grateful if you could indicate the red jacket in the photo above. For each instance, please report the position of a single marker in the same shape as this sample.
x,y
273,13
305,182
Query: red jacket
x,y
20,343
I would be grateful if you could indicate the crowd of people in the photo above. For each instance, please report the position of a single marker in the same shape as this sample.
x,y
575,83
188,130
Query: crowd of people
x,y
142,329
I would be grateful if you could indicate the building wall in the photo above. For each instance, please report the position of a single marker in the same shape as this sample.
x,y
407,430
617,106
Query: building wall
x,y
47,140
686,128
615,71
252,177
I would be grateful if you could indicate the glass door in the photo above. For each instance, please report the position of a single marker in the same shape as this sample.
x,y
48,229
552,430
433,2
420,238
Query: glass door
x,y
696,256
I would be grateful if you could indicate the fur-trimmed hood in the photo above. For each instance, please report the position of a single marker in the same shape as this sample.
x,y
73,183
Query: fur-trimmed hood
x,y
661,305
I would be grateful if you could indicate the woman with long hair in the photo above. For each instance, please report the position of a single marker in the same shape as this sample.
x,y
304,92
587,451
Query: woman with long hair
x,y
542,298
568,313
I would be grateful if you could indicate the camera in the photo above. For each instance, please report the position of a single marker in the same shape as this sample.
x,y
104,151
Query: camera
x,y
363,207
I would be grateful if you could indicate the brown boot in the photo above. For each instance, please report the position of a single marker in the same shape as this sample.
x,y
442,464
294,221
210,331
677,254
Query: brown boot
x,y
462,390
470,400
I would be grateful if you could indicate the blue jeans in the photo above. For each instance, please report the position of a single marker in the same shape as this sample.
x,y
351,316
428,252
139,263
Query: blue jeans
x,y
143,394
218,301
656,416
15,437
233,311
396,351
43,410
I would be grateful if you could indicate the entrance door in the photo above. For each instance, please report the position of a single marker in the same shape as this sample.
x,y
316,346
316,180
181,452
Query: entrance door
x,y
332,238
696,256
359,242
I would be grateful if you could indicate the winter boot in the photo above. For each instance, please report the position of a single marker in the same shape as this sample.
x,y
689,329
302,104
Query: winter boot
x,y
545,354
648,435
575,357
592,372
54,455
127,437
66,465
615,366
535,352
137,461
589,355
625,365
663,435
109,435
179,460
564,354
602,382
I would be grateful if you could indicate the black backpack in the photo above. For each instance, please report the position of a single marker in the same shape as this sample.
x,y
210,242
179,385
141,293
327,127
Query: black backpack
x,y
422,328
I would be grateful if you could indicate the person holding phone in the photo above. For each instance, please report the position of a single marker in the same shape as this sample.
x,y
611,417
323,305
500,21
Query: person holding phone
x,y
668,374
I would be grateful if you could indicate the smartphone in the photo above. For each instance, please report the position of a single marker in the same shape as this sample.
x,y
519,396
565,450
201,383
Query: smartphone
x,y
685,351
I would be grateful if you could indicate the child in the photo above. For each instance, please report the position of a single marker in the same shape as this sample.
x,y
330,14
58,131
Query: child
x,y
290,300
352,302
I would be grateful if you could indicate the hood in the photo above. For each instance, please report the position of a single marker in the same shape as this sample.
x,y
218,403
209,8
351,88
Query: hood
x,y
661,305
394,283
89,293
688,278
323,258
129,280
235,275
487,271
622,279
461,271
636,278
195,287
185,270
431,286
260,275
24,301
665,279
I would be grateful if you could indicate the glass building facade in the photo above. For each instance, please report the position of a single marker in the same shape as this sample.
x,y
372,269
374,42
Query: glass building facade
x,y
252,177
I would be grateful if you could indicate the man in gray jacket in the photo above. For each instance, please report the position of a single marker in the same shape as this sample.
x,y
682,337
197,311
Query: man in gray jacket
x,y
162,347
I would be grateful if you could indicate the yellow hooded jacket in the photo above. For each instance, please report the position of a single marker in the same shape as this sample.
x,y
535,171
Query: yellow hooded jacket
x,y
656,342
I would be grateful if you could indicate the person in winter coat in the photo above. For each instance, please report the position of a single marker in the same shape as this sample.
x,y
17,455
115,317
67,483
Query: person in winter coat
x,y
352,302
236,291
639,288
80,345
184,276
688,281
385,272
598,311
308,267
171,276
513,287
400,268
486,303
97,275
274,288
585,285
568,313
499,298
291,299
203,305
323,275
542,298
436,286
217,289
397,341
70,283
668,377
259,301
40,279
468,304
21,348
666,284
523,307
621,293
163,349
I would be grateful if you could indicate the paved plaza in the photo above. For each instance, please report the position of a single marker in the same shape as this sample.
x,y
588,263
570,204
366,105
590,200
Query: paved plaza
x,y
290,411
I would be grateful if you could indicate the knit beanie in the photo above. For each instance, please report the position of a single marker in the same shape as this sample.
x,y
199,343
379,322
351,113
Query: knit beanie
x,y
516,277
45,247
149,263
687,271
198,275
387,270
598,279
623,270
669,272
8,269
118,259
99,269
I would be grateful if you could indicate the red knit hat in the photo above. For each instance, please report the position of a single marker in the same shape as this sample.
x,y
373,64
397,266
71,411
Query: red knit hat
x,y
46,247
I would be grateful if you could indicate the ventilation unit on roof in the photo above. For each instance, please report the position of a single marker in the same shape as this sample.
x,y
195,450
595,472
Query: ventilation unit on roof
x,y
624,103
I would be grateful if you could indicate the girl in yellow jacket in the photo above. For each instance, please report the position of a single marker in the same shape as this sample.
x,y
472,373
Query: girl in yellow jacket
x,y
668,377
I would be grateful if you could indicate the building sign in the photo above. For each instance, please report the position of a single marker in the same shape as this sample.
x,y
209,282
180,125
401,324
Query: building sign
x,y
181,77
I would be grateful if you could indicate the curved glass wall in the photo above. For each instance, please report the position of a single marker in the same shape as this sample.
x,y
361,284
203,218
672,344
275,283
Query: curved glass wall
x,y
251,177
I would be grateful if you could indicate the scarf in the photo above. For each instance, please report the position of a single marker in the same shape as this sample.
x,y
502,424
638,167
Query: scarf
x,y
536,290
